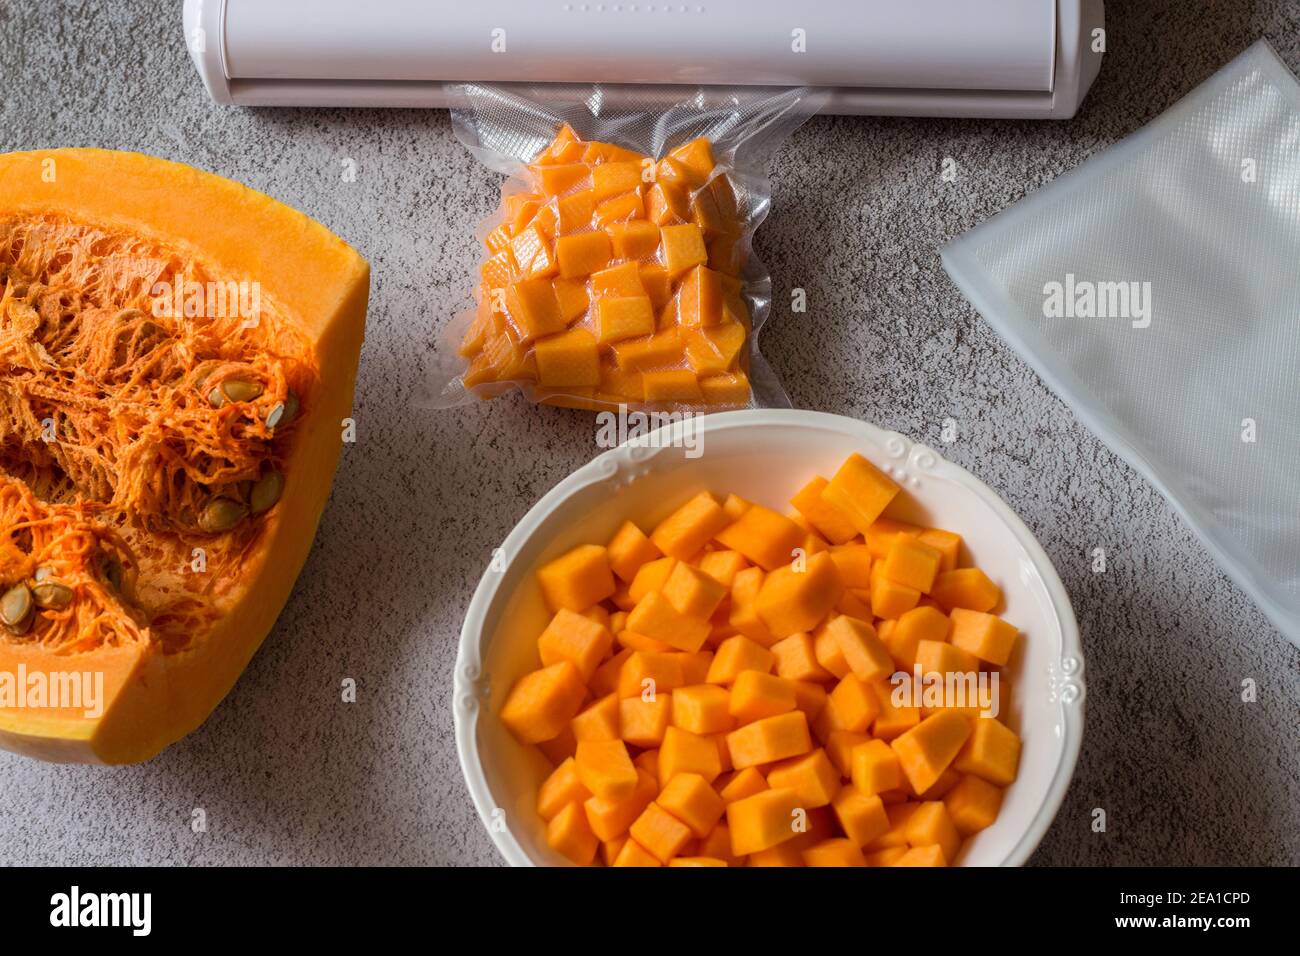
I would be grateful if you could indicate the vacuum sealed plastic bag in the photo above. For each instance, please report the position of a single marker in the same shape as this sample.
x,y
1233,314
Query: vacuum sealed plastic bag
x,y
1157,290
619,270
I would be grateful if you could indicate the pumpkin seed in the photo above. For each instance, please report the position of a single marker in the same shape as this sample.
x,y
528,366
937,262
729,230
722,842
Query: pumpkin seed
x,y
222,514
17,609
52,595
282,413
41,573
266,492
240,390
215,398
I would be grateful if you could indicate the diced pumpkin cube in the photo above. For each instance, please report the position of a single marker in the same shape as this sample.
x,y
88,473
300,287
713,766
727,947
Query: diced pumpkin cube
x,y
642,723
736,655
744,783
668,203
854,704
571,296
600,721
573,212
561,178
755,695
650,352
648,674
947,543
796,659
922,856
898,815
763,536
573,637
685,752
837,851
656,618
612,178
861,816
829,654
696,157
634,854
794,600
853,562
717,845
829,521
605,769
809,697
940,657
812,776
682,248
693,592
560,789
671,385
891,599
925,751
702,709
654,277
882,534
628,206
577,579
914,626
762,821
706,215
534,253
973,804
864,652
789,853
683,533
839,747
569,834
723,566
986,636
618,282
861,491
699,298
570,359
930,825
648,760
731,390
893,719
628,638
610,819
565,148
541,703
886,857
582,253
533,308
636,239
651,576
991,752
769,740
696,861
966,588
695,667
875,768
619,319
715,350
629,550
913,563
690,799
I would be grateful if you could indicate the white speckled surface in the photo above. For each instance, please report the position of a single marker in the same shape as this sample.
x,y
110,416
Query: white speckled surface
x,y
288,774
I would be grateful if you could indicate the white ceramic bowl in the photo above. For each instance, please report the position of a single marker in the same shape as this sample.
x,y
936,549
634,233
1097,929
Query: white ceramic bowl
x,y
766,456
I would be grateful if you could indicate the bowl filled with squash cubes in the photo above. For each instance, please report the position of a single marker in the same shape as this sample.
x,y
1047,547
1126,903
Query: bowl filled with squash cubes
x,y
781,638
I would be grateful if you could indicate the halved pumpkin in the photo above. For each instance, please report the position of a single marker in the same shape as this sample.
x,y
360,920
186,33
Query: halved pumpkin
x,y
177,360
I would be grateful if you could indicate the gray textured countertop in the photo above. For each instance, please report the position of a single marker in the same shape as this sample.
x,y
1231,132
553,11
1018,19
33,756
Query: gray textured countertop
x,y
288,774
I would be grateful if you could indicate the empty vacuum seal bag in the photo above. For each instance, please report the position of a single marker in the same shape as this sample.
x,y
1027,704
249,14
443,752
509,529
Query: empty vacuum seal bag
x,y
1157,290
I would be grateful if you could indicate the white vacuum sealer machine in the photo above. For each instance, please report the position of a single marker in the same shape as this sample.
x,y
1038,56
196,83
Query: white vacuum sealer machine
x,y
978,58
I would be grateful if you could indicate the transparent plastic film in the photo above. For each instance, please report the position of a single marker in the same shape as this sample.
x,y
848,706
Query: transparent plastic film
x,y
619,269
1156,290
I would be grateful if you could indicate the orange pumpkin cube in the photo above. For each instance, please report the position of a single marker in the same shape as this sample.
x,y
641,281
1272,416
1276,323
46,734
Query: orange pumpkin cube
x,y
682,248
699,297
736,655
973,804
985,636
647,674
582,253
947,543
612,178
891,599
834,852
854,705
919,624
568,833
875,768
702,709
861,491
690,799
618,282
723,566
922,856
930,825
629,550
577,638
541,703
862,816
925,751
966,588
600,721
764,537
912,562
672,385
769,740
793,600
560,789
940,657
796,659
667,203
685,752
605,769
624,318
577,579
690,527
991,752
863,651
610,819
755,695
744,783
762,821
533,309
812,776
642,723
635,239
634,854
656,618
829,521
893,719
650,577
693,592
